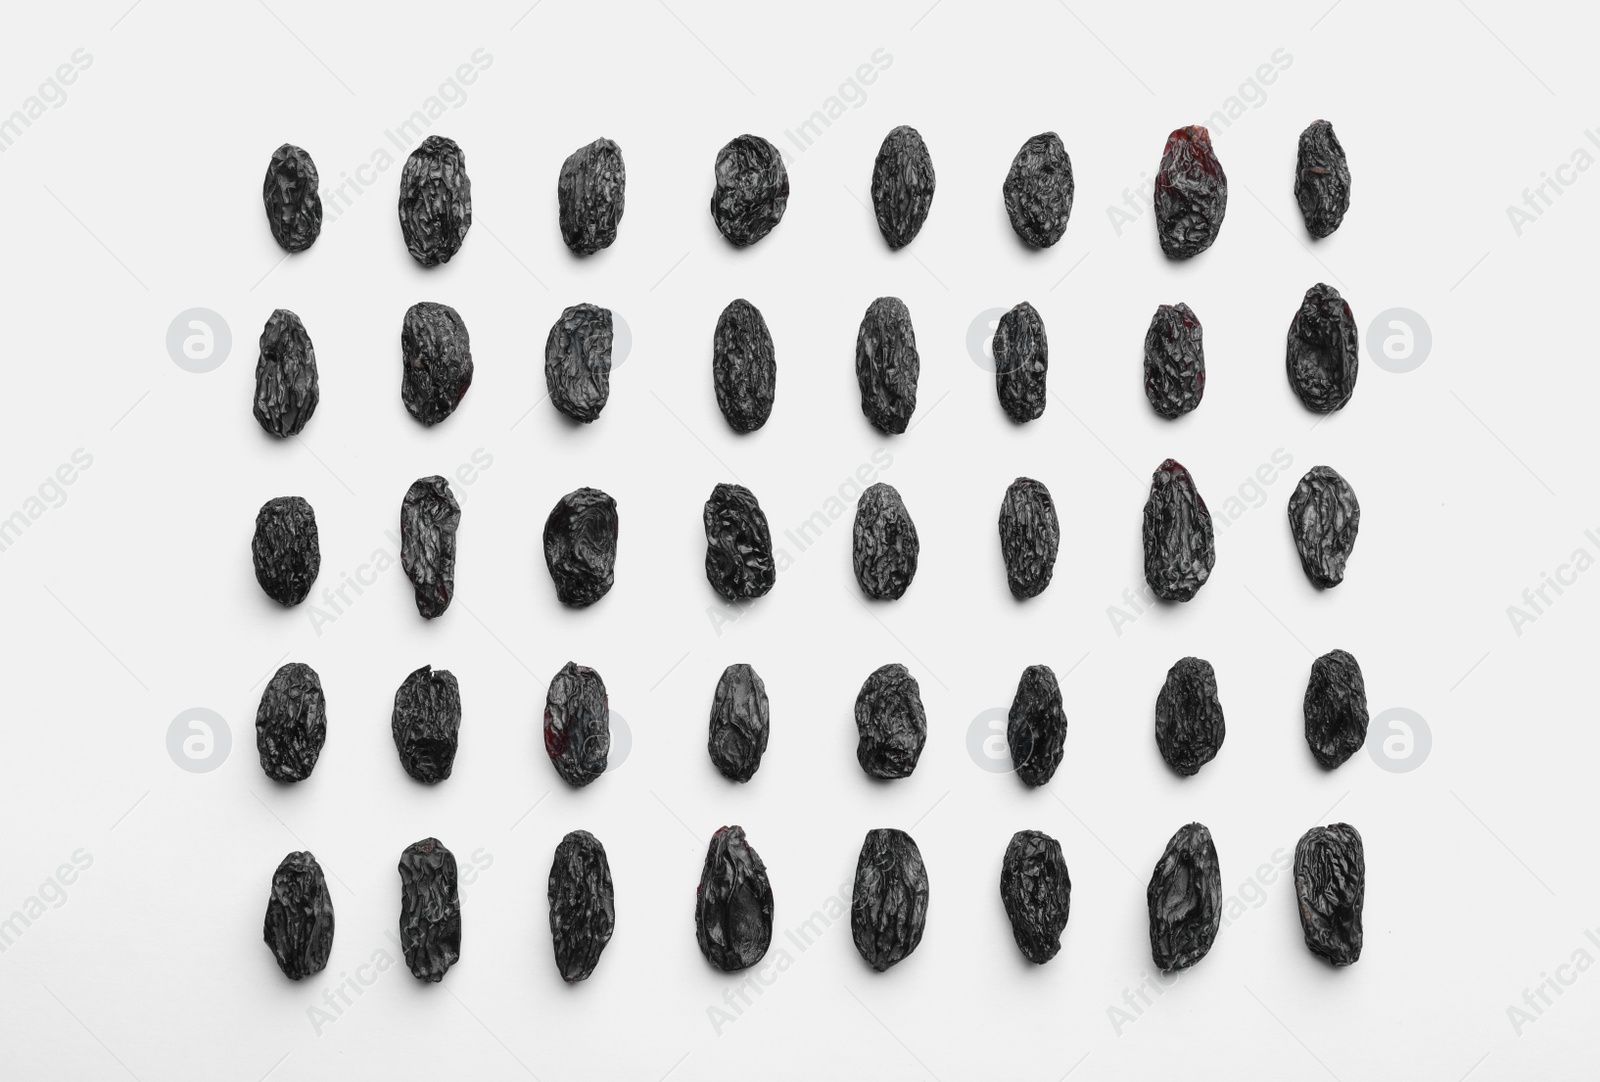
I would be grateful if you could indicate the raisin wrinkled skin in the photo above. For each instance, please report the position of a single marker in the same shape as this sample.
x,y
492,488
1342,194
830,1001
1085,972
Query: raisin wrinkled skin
x,y
577,362
577,724
1174,361
1185,898
1189,723
733,903
1330,886
287,390
739,560
889,904
291,723
1030,537
436,361
1021,363
887,365
1321,179
1335,708
744,367
435,201
299,925
430,909
1036,727
1322,355
294,209
752,190
284,549
1191,194
1037,893
583,905
902,185
1324,518
891,725
740,721
1180,546
427,724
580,546
1038,190
429,518
884,544
590,194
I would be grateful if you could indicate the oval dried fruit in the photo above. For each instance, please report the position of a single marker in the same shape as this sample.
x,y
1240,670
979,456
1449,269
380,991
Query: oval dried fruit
x,y
577,361
577,724
430,909
429,518
1322,354
299,923
1335,708
744,367
1189,723
580,546
1174,361
435,201
884,544
1036,726
1180,546
891,725
284,549
291,723
426,724
739,561
590,196
889,903
287,390
1324,518
1330,885
1185,899
435,361
1037,893
902,185
1038,190
752,190
1030,537
1191,194
740,721
887,366
583,906
733,903
1021,363
1321,179
294,209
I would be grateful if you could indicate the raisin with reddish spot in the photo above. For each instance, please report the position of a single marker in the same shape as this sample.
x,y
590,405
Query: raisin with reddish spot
x,y
577,724
1191,194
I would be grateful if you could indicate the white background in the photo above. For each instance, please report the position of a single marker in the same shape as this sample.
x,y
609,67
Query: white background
x,y
131,599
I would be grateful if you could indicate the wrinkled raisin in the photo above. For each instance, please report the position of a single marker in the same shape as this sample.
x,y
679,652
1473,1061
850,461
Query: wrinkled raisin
x,y
1335,708
902,185
1185,899
1036,727
590,194
1174,361
739,561
1191,194
430,909
427,723
429,517
583,906
435,201
1324,518
285,550
1038,190
299,924
1021,363
1330,885
884,544
577,361
435,361
287,390
889,904
1321,179
733,903
887,366
752,190
580,546
740,720
744,367
1030,537
1037,893
1189,722
294,209
1180,547
577,724
891,725
291,723
1322,354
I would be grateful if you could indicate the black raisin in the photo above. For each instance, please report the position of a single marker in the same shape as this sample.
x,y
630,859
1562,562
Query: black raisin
x,y
287,390
580,546
752,190
1180,546
744,367
1189,723
1191,194
1030,537
1321,179
1335,708
427,723
1021,363
887,366
1185,897
1037,893
291,723
435,361
577,724
739,561
740,720
299,924
285,550
889,905
891,725
590,196
294,209
583,905
430,909
1038,190
1322,355
1324,518
902,185
435,201
884,544
429,517
1330,885
733,904
1036,727
577,361
1174,361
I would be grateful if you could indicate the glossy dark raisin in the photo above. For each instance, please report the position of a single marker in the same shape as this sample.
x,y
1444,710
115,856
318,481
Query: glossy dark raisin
x,y
1189,723
435,201
1335,708
1030,537
1322,354
580,546
435,361
299,924
583,905
733,904
887,366
577,361
577,724
430,909
1174,361
1321,179
1324,518
590,194
884,544
284,549
1038,190
1185,898
1330,886
744,367
1036,727
1180,546
1191,194
891,725
902,185
287,390
429,517
739,561
291,723
752,190
427,723
294,209
1021,363
1037,893
740,721
889,904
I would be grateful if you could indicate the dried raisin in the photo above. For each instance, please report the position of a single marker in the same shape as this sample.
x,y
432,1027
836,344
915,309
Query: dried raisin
x,y
426,723
1330,885
889,904
1335,708
435,361
580,546
1324,518
739,561
744,367
1180,547
1189,722
430,909
1036,727
740,721
294,209
435,201
1038,190
1021,363
1174,361
1037,893
1321,179
299,923
887,365
577,724
902,185
429,517
1030,537
1191,194
1322,354
891,725
291,723
577,361
733,904
285,550
583,905
1185,899
752,190
590,194
287,390
884,543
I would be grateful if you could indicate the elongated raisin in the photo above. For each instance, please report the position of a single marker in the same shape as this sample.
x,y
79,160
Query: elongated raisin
x,y
1174,361
577,361
744,367
733,903
1191,194
294,209
590,195
435,201
884,543
752,190
887,366
580,546
1335,708
430,909
1321,179
739,561
891,725
287,390
583,905
291,723
426,724
740,721
889,904
1036,727
1189,722
1038,190
435,361
1330,885
1030,537
284,549
1021,363
1185,899
429,518
299,924
902,185
1180,547
1322,354
1037,893
577,724
1324,518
